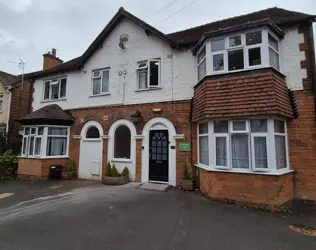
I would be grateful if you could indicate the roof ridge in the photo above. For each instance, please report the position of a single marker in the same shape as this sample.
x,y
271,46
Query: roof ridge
x,y
225,19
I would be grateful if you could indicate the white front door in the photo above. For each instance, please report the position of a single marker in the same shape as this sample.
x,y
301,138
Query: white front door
x,y
90,156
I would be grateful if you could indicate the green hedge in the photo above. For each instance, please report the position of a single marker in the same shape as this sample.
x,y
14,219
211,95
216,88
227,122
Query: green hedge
x,y
8,166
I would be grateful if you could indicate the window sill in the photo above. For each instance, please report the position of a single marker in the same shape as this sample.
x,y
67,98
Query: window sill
x,y
103,94
238,171
121,160
43,157
56,100
149,89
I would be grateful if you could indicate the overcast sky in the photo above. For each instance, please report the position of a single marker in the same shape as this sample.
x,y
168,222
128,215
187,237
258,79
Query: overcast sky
x,y
30,28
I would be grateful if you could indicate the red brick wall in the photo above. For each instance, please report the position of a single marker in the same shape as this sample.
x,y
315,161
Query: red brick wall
x,y
249,188
50,61
176,112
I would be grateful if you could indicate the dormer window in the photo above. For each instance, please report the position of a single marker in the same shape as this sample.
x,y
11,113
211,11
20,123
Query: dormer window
x,y
253,49
55,89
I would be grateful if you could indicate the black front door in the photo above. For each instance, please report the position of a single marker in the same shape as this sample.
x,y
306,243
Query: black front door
x,y
158,155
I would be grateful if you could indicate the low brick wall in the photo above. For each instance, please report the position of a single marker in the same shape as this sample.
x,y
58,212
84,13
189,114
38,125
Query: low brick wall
x,y
38,169
268,190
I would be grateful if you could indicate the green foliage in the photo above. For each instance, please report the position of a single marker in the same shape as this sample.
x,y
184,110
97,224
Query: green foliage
x,y
8,165
186,174
285,209
114,171
125,172
108,169
71,165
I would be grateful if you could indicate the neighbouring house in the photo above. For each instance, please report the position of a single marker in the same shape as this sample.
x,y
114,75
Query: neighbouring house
x,y
235,98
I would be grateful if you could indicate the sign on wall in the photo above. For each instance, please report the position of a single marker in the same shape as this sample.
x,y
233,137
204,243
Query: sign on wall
x,y
184,147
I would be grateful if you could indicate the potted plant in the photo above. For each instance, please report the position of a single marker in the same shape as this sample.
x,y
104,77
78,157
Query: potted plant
x,y
113,177
186,182
69,173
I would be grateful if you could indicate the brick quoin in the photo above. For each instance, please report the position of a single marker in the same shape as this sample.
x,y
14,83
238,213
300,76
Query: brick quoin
x,y
177,112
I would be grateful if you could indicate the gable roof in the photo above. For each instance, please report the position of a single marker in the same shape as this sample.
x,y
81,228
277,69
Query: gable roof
x,y
7,79
51,114
277,15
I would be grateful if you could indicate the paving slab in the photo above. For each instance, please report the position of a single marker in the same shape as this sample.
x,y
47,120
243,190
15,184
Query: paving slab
x,y
155,187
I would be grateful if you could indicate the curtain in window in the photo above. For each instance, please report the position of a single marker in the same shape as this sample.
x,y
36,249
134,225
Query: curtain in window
x,y
203,150
96,86
142,75
38,143
221,151
260,150
122,142
280,152
56,146
240,152
105,81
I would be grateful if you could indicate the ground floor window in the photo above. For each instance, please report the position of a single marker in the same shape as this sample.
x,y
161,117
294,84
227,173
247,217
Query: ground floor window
x,y
122,142
243,145
45,141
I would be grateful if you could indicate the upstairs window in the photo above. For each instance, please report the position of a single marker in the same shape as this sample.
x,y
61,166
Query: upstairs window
x,y
201,64
55,89
148,74
1,102
100,81
273,52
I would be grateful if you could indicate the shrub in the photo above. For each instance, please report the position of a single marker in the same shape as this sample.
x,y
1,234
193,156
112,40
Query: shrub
x,y
114,171
125,172
186,175
71,165
108,169
8,165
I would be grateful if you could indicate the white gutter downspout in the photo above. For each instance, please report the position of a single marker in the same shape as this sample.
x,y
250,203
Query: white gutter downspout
x,y
8,113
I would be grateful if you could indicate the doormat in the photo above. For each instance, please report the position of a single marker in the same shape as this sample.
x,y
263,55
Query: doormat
x,y
155,187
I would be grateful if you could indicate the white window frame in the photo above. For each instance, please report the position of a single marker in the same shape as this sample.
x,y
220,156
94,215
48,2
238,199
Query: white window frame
x,y
198,142
270,146
276,51
101,78
202,60
140,68
44,137
54,82
264,52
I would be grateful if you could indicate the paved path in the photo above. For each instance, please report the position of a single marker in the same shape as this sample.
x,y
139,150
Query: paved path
x,y
93,216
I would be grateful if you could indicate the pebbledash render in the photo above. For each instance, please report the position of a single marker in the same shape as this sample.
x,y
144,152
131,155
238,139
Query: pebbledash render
x,y
234,99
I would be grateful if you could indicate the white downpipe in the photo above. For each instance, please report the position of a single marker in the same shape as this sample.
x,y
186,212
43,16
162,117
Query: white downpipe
x,y
8,113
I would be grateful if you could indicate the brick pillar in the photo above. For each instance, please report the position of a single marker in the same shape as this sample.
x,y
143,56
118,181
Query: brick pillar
x,y
74,151
139,159
104,155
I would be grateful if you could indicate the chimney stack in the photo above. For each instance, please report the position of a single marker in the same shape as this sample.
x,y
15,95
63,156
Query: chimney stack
x,y
50,60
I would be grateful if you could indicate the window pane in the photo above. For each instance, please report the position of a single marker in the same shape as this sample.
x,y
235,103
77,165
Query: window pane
x,y
274,59
273,42
31,146
63,83
259,125
154,73
239,125
1,102
57,131
122,142
24,145
218,45
46,90
93,132
56,146
260,150
236,59
203,128
142,77
221,151
280,152
201,55
240,151
40,131
55,91
202,70
279,126
105,81
96,86
33,131
234,41
218,62
96,73
253,38
27,131
38,143
254,56
203,150
220,126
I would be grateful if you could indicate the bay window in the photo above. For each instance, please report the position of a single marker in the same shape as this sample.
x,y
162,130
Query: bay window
x,y
45,141
253,49
250,145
